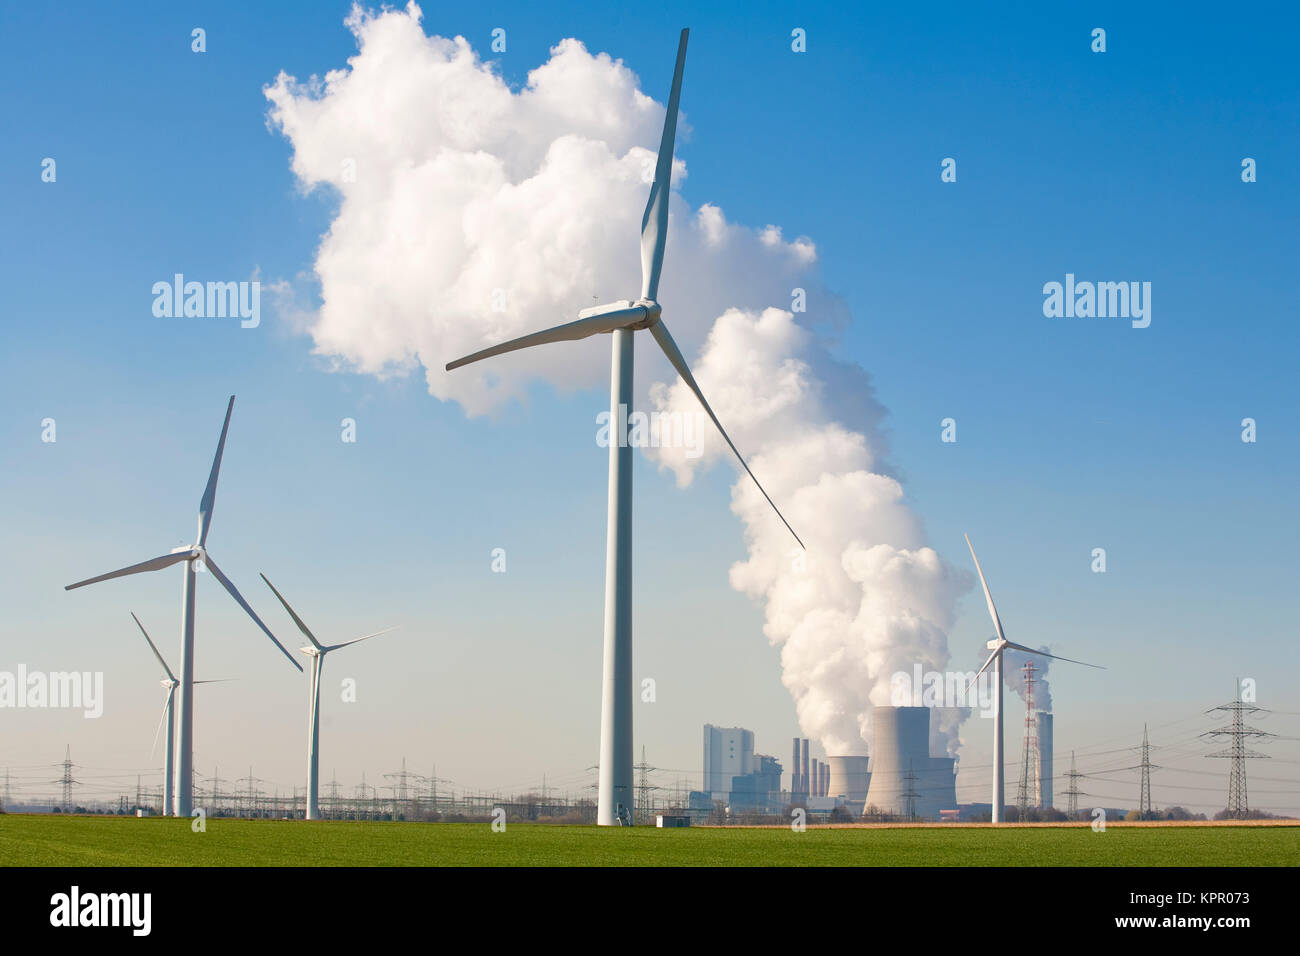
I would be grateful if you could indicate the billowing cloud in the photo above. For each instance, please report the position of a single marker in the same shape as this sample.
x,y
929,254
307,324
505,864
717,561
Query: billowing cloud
x,y
470,212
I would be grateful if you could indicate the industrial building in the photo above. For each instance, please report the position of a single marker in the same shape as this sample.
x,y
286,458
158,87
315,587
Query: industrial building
x,y
905,779
735,775
728,753
900,778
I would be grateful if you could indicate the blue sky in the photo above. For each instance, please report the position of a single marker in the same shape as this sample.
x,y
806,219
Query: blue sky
x,y
1072,433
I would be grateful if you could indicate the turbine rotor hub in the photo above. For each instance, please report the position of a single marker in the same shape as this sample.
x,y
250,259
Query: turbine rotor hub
x,y
652,312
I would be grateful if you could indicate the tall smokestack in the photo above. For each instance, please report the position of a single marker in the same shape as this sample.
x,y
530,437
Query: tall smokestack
x,y
806,776
794,770
1044,794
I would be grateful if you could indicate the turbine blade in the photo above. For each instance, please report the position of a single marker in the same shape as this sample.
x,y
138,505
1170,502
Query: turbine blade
x,y
218,680
239,599
209,499
588,325
654,223
166,703
153,564
296,619
983,669
335,647
660,333
1030,650
152,647
993,611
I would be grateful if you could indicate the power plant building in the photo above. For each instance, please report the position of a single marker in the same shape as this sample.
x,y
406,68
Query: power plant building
x,y
728,753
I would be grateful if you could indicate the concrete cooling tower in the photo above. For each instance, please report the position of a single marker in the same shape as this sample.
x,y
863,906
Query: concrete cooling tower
x,y
901,764
848,778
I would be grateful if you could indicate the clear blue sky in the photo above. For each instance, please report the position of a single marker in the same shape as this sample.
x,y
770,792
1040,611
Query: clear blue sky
x,y
1072,433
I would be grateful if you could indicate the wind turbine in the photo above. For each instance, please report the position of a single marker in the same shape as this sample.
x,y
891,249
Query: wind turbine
x,y
316,651
995,658
191,555
621,319
171,683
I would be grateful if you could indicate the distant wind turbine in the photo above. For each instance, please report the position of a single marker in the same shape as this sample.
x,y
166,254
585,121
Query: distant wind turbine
x,y
316,651
622,319
995,658
191,555
171,683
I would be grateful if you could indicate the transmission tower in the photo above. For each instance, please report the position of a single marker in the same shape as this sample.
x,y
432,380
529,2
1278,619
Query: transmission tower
x,y
1237,732
362,804
1144,794
399,789
334,795
1029,760
910,796
251,806
1073,792
643,788
67,781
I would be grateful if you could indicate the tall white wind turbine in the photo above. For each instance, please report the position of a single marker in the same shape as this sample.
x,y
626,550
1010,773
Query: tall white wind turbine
x,y
621,319
316,651
192,555
995,658
168,717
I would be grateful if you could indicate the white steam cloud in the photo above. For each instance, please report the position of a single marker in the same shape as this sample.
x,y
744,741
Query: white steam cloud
x,y
470,212
1014,675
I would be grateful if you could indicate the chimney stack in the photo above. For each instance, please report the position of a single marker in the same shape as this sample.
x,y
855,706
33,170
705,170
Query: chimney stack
x,y
794,770
806,772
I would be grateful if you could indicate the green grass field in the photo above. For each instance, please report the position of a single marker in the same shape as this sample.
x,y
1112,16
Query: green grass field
x,y
128,841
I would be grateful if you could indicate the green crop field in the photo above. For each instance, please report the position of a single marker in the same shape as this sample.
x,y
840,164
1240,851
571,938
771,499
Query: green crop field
x,y
128,841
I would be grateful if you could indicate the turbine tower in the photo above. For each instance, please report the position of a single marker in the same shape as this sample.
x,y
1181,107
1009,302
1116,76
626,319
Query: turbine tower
x,y
316,651
622,319
192,555
168,718
998,646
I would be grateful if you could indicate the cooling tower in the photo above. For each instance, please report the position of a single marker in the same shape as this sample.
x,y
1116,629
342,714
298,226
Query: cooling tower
x,y
902,764
1044,794
847,778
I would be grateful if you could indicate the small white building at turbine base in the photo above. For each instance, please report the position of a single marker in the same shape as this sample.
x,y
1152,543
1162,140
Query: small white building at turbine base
x,y
904,778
